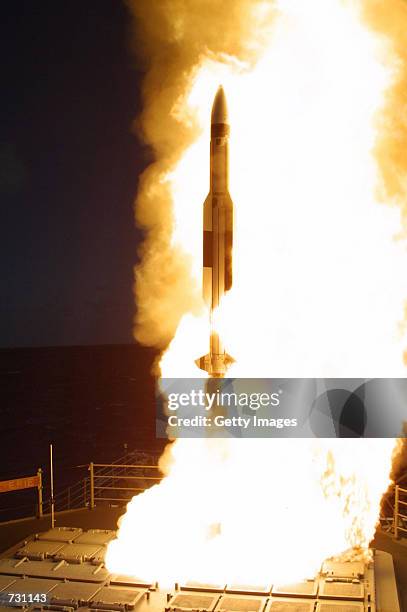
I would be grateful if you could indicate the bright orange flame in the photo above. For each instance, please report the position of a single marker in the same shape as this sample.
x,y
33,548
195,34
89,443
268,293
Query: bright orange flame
x,y
319,287
253,511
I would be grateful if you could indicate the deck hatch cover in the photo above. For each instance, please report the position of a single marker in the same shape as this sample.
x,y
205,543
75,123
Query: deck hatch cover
x,y
241,603
291,605
96,536
192,601
78,552
39,549
117,598
341,590
333,606
78,592
61,534
308,588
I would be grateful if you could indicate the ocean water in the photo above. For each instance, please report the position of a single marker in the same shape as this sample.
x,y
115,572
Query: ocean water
x,y
92,403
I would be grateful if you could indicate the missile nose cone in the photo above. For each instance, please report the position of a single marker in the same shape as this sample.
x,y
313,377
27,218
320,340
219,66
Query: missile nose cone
x,y
219,108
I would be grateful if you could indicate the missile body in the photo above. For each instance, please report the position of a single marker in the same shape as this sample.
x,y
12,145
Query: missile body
x,y
217,234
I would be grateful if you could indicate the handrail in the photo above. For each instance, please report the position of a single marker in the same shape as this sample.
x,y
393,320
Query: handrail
x,y
395,524
122,465
106,477
78,495
116,476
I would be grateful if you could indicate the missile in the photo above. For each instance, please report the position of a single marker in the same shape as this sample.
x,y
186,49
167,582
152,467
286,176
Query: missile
x,y
217,235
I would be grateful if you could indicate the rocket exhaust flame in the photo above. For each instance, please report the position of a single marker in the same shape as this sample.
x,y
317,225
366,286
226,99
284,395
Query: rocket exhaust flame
x,y
319,284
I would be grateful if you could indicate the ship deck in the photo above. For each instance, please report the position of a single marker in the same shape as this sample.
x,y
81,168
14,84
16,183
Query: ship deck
x,y
66,566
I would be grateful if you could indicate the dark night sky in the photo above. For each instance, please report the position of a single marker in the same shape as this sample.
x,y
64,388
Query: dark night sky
x,y
69,166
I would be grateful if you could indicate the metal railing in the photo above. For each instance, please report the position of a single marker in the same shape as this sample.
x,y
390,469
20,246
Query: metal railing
x,y
73,497
22,485
393,519
83,495
112,482
400,512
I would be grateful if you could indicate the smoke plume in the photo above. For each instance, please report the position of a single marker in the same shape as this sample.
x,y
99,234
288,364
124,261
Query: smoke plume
x,y
390,20
171,38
